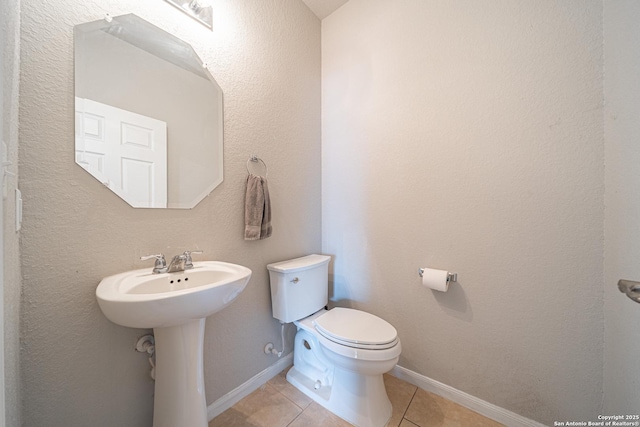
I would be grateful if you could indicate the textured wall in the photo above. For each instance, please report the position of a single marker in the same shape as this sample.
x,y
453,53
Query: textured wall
x,y
468,136
622,226
10,82
78,368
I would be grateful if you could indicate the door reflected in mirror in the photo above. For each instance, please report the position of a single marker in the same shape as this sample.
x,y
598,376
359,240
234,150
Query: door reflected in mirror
x,y
149,115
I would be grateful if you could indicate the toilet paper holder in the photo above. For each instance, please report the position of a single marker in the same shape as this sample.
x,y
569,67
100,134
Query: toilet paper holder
x,y
451,277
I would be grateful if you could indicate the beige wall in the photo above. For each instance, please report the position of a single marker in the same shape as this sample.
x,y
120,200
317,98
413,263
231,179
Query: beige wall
x,y
11,309
468,136
78,368
622,226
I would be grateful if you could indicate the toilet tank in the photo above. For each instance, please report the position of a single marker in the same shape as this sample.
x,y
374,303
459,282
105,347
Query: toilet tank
x,y
299,287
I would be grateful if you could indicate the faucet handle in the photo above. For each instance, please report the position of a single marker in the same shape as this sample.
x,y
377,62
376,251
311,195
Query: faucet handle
x,y
158,257
161,262
188,263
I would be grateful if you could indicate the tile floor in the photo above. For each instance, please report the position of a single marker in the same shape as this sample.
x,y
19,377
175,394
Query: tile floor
x,y
279,404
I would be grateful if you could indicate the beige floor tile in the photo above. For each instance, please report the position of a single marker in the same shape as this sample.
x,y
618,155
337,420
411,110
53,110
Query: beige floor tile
x,y
265,407
316,416
427,409
400,394
280,383
279,404
460,416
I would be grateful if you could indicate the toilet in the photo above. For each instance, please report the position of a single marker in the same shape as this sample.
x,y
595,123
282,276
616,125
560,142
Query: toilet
x,y
339,355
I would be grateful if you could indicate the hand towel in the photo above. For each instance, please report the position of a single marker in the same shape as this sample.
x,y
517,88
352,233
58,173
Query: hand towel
x,y
257,209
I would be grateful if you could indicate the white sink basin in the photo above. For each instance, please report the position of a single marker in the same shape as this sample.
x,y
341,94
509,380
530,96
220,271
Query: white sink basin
x,y
141,299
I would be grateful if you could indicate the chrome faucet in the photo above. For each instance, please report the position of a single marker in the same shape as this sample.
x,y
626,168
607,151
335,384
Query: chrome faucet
x,y
177,263
180,262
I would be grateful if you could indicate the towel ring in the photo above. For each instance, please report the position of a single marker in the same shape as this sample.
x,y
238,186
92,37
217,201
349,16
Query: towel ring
x,y
256,159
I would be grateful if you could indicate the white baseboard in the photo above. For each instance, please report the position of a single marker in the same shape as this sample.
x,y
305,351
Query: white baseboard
x,y
487,409
248,387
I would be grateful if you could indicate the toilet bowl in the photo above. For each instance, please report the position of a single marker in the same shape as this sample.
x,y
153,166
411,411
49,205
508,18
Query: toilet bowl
x,y
340,354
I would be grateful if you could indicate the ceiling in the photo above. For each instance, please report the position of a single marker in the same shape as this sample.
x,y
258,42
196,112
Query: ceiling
x,y
324,8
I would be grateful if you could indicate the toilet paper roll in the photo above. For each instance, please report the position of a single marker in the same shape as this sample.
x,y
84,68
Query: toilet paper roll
x,y
435,279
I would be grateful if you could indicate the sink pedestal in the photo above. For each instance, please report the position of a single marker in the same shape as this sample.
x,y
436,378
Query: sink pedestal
x,y
179,390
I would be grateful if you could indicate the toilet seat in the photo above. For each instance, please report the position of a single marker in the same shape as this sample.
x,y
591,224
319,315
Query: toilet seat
x,y
363,353
356,329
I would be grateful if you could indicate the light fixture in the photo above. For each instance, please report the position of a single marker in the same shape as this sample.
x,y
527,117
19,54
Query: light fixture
x,y
201,10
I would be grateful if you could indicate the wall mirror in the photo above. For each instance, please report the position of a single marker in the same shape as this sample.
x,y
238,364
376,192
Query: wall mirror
x,y
148,114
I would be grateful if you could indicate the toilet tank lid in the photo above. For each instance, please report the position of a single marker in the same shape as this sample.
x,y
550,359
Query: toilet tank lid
x,y
299,264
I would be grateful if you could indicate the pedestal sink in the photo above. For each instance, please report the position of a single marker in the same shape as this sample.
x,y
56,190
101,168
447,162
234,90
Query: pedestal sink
x,y
175,305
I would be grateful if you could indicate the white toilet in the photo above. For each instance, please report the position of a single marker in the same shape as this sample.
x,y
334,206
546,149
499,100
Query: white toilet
x,y
339,354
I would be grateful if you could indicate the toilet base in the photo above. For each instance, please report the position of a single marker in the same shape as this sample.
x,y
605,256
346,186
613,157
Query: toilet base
x,y
359,399
355,397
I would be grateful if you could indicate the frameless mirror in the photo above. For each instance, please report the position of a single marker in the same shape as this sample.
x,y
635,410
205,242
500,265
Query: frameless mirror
x,y
149,117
